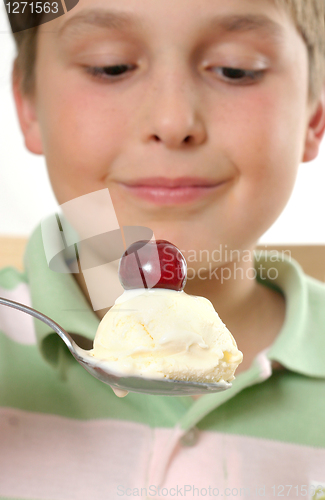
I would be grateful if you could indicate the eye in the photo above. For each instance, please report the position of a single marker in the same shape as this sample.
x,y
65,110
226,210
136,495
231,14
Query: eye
x,y
237,75
110,72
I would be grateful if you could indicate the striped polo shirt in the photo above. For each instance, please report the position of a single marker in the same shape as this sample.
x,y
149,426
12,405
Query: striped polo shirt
x,y
65,436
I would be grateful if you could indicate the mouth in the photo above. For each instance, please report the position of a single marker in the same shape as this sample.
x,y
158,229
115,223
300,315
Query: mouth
x,y
165,191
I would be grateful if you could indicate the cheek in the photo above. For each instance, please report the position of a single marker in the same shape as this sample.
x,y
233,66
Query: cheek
x,y
261,136
264,140
82,131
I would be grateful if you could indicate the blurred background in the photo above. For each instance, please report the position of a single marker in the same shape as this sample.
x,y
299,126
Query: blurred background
x,y
26,196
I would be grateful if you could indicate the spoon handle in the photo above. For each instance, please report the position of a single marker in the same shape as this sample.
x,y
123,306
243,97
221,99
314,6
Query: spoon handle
x,y
48,321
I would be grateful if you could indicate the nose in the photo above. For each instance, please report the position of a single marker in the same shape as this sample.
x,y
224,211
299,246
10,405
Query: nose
x,y
174,117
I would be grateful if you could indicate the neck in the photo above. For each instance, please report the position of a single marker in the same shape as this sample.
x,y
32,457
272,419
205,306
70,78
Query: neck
x,y
253,313
229,287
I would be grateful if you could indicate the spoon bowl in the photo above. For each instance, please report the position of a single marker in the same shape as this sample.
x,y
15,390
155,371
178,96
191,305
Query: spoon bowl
x,y
121,383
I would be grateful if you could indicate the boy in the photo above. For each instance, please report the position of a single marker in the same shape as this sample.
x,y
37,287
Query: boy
x,y
195,116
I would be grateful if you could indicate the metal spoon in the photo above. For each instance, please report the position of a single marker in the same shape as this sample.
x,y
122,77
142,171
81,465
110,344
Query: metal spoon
x,y
121,384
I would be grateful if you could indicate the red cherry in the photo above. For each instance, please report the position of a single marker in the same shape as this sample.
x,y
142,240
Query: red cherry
x,y
153,264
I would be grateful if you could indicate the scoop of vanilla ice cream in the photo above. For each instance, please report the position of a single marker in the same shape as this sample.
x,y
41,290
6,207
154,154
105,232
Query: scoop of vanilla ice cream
x,y
160,333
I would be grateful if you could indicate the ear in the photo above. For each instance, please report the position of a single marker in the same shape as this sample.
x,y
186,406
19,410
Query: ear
x,y
315,130
26,110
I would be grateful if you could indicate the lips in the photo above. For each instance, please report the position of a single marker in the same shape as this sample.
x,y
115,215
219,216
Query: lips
x,y
167,191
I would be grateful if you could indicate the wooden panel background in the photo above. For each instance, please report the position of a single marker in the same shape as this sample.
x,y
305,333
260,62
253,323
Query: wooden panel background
x,y
311,257
12,251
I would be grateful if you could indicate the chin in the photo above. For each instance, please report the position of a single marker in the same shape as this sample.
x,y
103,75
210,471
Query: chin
x,y
171,232
185,234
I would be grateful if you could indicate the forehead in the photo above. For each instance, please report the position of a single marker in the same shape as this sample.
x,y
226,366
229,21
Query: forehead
x,y
233,16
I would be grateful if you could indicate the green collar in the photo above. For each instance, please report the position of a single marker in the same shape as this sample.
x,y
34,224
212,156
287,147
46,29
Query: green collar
x,y
299,347
58,296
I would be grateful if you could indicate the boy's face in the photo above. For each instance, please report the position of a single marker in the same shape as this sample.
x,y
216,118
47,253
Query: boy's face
x,y
202,154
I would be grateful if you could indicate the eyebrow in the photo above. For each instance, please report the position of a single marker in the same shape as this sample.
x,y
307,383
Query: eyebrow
x,y
100,18
233,23
241,23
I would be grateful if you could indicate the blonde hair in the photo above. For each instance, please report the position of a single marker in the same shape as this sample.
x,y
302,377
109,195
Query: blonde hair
x,y
308,16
